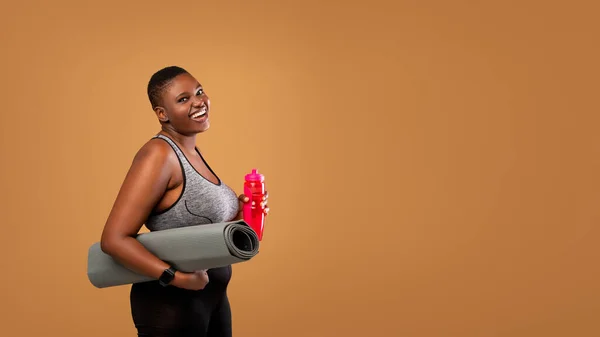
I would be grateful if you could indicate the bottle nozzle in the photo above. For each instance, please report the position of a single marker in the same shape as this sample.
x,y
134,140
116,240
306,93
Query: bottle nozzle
x,y
254,175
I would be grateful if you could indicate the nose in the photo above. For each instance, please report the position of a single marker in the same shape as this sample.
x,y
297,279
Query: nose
x,y
197,101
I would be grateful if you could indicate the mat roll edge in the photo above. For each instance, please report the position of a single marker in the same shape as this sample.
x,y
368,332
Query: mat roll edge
x,y
187,248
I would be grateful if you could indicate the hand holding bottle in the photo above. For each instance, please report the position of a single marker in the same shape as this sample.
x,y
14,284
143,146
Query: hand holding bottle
x,y
244,200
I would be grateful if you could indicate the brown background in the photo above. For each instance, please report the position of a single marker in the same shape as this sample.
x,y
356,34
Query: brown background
x,y
451,147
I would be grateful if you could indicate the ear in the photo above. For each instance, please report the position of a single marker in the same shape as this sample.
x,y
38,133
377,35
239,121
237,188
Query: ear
x,y
161,113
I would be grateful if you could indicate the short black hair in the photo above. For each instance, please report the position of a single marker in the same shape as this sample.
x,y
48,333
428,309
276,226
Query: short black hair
x,y
160,81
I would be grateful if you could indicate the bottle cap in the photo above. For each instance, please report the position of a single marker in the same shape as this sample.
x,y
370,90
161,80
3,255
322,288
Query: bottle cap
x,y
255,176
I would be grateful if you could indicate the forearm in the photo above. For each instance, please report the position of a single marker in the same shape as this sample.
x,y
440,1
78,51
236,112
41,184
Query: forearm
x,y
133,255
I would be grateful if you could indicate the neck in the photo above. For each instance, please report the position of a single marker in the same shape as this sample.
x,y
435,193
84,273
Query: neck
x,y
187,142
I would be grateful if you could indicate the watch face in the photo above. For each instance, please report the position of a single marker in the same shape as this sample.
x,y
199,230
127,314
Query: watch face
x,y
166,277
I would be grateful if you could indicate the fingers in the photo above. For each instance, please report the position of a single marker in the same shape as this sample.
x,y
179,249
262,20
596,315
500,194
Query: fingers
x,y
244,198
263,204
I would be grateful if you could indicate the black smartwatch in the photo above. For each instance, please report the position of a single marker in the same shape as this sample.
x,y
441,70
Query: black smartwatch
x,y
167,276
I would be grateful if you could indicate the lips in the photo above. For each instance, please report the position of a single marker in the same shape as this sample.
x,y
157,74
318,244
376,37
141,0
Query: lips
x,y
199,113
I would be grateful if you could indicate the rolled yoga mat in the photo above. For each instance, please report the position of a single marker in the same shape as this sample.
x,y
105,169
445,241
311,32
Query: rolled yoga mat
x,y
187,248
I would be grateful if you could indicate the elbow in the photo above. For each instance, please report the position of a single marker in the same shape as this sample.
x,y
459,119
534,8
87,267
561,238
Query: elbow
x,y
112,244
106,245
109,244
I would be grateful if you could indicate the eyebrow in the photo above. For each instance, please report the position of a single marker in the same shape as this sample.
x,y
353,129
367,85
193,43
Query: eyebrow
x,y
198,86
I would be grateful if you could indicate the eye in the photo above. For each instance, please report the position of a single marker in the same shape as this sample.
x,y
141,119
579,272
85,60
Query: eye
x,y
182,99
200,92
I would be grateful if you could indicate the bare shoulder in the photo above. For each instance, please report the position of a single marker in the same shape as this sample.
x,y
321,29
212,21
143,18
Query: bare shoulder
x,y
154,165
155,151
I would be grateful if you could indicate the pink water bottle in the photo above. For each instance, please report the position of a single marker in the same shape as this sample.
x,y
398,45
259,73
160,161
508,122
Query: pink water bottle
x,y
254,189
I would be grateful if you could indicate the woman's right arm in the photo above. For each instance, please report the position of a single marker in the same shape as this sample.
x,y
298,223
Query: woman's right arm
x,y
144,185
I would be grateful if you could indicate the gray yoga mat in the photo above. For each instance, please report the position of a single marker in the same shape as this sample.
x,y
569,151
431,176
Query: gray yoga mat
x,y
187,248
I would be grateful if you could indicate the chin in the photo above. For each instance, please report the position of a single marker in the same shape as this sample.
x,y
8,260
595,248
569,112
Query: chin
x,y
204,128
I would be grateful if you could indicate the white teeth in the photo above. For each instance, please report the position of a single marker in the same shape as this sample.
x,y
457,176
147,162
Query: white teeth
x,y
199,113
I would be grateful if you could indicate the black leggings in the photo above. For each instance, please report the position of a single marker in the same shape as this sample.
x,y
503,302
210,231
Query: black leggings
x,y
159,311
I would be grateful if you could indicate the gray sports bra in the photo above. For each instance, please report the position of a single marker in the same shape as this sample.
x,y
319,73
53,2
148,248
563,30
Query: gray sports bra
x,y
200,202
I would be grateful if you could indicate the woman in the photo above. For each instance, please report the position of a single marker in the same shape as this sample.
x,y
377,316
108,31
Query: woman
x,y
169,185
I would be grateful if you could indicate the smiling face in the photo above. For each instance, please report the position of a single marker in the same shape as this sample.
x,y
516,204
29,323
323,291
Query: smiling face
x,y
184,105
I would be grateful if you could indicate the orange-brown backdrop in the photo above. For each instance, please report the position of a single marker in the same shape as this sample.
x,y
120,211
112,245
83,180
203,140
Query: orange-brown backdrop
x,y
433,166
